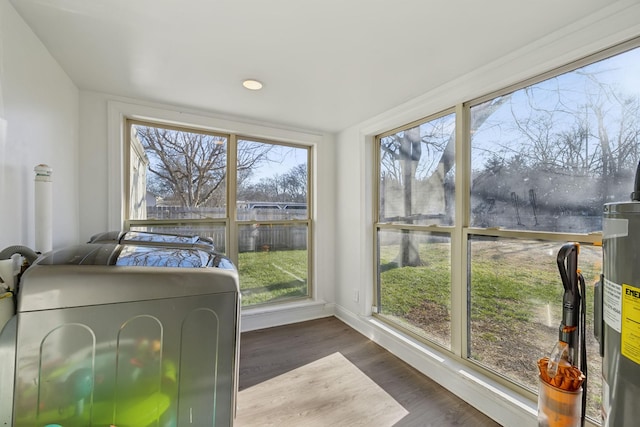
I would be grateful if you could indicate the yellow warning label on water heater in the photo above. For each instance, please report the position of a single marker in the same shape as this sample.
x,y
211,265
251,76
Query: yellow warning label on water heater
x,y
630,327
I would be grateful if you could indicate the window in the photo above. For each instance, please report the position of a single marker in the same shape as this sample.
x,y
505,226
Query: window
x,y
273,254
179,182
539,163
416,204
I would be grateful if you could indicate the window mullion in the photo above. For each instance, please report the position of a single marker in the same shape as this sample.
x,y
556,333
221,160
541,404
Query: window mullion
x,y
232,205
458,243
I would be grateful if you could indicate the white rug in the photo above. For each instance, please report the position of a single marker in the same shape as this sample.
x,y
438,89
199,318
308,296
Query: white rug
x,y
328,392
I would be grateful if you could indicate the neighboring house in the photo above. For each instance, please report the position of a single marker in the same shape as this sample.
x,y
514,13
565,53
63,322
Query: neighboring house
x,y
138,176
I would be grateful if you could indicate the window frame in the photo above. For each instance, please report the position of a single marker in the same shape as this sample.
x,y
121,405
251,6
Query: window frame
x,y
461,231
381,226
128,223
230,221
308,221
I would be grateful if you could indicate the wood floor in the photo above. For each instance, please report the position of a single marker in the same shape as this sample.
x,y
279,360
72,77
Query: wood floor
x,y
267,353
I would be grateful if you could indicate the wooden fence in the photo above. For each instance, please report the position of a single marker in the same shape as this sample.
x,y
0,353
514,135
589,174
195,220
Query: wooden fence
x,y
251,237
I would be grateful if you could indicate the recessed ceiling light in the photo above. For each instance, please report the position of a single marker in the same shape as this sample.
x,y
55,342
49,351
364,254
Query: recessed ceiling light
x,y
252,84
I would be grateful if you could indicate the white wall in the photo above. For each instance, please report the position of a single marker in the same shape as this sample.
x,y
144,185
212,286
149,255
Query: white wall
x,y
38,124
93,170
354,251
354,238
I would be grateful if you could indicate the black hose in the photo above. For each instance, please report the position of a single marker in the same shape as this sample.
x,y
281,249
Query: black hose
x,y
635,196
583,347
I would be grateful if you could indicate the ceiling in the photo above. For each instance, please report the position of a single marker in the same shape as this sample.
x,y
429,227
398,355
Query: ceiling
x,y
325,64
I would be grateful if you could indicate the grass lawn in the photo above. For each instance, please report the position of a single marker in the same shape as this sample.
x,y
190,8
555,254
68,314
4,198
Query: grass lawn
x,y
272,275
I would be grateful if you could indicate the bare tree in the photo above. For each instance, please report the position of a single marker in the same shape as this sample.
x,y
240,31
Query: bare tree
x,y
288,187
617,130
189,168
565,141
401,156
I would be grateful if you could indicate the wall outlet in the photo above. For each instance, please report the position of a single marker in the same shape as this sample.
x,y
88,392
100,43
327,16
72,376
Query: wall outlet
x,y
356,295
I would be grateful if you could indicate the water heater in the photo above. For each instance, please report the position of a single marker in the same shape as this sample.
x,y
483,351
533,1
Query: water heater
x,y
617,313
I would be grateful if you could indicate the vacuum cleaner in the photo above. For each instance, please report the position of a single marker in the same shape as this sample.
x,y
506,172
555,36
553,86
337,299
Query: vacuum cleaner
x,y
563,374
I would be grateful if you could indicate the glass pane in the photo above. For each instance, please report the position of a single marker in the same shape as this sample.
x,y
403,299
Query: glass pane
x,y
547,157
215,232
515,312
272,181
272,262
175,174
414,283
417,174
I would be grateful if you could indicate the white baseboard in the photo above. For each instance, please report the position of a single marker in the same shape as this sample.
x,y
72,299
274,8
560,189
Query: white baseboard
x,y
283,314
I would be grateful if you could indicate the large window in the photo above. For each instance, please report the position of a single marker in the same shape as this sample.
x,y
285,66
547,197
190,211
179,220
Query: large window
x,y
539,163
416,206
250,197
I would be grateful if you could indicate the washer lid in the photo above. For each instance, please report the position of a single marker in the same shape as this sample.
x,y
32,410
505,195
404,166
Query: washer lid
x,y
134,254
154,239
94,274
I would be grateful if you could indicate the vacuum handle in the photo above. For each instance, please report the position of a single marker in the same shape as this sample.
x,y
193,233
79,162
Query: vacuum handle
x,y
568,266
568,254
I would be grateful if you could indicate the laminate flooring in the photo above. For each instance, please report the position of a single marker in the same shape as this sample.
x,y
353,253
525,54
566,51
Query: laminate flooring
x,y
269,353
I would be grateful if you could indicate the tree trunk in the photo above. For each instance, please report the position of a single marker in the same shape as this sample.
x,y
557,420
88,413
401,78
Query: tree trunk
x,y
410,153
